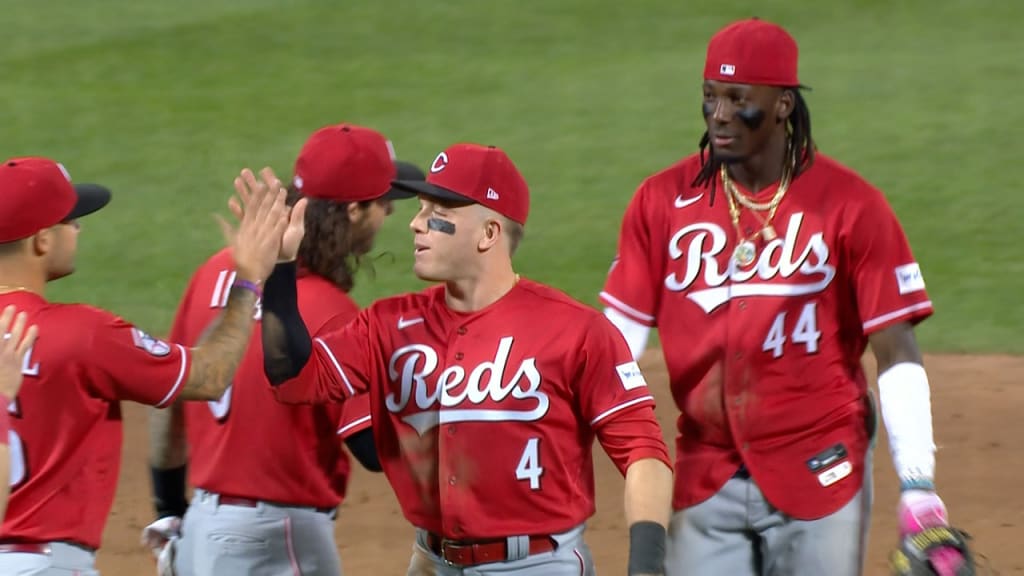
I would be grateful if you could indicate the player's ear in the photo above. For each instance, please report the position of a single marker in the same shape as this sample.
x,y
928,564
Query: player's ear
x,y
492,232
42,242
355,212
784,105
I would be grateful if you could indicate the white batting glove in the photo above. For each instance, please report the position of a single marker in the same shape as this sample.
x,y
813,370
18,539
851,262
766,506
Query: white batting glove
x,y
161,538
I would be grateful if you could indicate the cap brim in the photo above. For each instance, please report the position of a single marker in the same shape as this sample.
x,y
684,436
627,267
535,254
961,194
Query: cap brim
x,y
416,187
407,172
91,197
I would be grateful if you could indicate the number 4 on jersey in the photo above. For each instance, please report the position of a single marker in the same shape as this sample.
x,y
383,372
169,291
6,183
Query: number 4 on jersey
x,y
529,464
805,332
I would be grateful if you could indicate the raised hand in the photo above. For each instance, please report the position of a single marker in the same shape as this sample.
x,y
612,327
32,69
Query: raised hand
x,y
293,234
263,216
16,343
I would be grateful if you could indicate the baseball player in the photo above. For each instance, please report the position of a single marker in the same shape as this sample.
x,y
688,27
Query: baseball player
x,y
486,390
282,515
65,437
768,269
14,347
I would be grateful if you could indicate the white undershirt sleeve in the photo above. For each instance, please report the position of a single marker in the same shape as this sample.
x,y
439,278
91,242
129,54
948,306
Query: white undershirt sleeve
x,y
635,333
907,413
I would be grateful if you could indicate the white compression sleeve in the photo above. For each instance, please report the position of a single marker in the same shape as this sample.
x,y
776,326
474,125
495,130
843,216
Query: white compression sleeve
x,y
635,333
907,413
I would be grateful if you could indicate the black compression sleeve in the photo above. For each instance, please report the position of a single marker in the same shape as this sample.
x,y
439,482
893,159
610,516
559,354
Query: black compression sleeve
x,y
169,491
286,342
362,446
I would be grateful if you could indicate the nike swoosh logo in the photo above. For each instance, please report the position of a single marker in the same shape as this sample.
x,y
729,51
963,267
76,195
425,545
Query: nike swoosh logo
x,y
680,203
403,323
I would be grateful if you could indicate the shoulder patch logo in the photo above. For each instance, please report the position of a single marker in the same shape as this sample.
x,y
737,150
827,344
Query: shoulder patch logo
x,y
630,375
909,278
154,346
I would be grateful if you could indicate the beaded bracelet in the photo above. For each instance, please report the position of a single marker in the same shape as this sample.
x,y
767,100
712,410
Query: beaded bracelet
x,y
250,286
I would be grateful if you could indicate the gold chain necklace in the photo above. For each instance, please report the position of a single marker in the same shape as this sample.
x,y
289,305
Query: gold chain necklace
x,y
4,288
746,250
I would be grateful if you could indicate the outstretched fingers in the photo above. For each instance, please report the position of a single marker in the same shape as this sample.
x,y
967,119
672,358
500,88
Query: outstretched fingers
x,y
17,339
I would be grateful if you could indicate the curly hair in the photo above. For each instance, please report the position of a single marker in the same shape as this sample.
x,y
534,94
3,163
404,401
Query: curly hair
x,y
332,247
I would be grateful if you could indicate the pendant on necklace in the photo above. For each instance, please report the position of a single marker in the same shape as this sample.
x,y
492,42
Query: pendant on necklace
x,y
768,233
744,253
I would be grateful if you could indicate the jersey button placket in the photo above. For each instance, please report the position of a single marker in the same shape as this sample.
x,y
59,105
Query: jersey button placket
x,y
732,382
452,491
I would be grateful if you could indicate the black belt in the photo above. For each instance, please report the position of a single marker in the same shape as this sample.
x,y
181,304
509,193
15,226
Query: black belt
x,y
742,473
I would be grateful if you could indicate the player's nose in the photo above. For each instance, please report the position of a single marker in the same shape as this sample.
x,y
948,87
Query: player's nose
x,y
418,224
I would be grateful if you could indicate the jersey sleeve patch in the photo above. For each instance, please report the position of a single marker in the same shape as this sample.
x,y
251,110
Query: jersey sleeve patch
x,y
909,278
630,375
154,346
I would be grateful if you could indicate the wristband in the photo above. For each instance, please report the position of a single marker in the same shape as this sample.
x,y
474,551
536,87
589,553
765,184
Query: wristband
x,y
646,548
250,286
919,483
169,491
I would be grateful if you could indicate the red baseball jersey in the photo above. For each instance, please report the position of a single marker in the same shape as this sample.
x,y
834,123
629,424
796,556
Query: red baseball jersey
x,y
65,438
485,421
765,360
247,444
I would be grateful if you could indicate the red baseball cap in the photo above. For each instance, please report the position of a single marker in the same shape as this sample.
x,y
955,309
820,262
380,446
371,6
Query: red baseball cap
x,y
349,163
484,175
36,193
752,51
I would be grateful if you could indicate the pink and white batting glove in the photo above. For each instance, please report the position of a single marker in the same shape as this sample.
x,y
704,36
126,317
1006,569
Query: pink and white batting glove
x,y
920,510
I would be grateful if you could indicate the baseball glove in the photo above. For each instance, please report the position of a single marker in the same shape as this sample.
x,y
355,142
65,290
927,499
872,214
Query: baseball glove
x,y
912,557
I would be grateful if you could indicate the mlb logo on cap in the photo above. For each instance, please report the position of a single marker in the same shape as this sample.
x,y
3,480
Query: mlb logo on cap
x,y
753,51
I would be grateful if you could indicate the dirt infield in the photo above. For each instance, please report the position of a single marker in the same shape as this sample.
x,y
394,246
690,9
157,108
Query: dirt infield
x,y
976,404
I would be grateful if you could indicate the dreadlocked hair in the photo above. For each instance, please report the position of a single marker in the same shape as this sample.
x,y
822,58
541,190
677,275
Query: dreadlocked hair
x,y
332,247
800,147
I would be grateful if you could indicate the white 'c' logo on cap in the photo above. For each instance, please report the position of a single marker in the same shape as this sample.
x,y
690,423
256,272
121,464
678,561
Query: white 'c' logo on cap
x,y
440,163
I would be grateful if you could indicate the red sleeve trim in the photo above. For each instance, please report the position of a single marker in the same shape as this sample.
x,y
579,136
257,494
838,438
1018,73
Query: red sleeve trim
x,y
649,454
915,312
633,313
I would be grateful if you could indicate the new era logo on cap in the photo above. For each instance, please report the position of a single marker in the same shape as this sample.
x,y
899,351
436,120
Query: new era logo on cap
x,y
475,173
728,70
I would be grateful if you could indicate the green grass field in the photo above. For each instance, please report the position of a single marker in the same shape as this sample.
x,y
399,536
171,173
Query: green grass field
x,y
166,101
